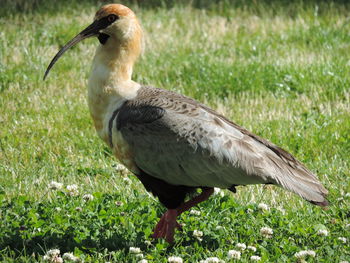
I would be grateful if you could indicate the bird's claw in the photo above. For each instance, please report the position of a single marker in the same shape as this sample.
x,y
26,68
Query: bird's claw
x,y
166,226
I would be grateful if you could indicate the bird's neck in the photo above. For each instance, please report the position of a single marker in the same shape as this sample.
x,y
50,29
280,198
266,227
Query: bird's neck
x,y
110,82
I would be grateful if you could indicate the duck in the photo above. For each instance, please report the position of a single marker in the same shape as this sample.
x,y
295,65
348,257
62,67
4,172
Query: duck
x,y
179,148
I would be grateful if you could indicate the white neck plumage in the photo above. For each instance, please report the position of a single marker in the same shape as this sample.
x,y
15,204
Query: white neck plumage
x,y
110,81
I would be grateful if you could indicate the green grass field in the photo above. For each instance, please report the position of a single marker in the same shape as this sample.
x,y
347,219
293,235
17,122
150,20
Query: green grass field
x,y
280,69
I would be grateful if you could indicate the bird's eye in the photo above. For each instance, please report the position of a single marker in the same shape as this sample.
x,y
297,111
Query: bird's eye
x,y
112,18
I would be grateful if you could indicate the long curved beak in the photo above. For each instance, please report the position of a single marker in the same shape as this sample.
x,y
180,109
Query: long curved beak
x,y
90,31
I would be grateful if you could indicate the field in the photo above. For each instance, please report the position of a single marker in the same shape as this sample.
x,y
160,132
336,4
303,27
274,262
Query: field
x,y
281,69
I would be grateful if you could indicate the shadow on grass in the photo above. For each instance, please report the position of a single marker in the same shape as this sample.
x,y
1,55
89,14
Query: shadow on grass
x,y
66,243
18,246
38,245
29,227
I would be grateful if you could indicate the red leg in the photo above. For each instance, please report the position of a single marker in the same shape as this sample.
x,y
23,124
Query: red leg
x,y
167,223
166,226
203,196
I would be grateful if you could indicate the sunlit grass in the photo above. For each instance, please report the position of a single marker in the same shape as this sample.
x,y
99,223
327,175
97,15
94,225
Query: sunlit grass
x,y
281,72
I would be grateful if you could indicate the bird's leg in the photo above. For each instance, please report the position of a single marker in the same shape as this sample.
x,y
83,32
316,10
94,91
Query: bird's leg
x,y
167,223
166,226
203,196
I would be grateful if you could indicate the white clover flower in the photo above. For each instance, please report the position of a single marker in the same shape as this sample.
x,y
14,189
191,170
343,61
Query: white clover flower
x,y
55,185
53,253
53,256
234,254
322,232
304,253
140,255
118,203
252,248
72,189
88,197
342,239
143,261
122,169
218,191
241,246
301,254
255,258
57,260
174,259
266,232
312,253
70,257
249,210
263,207
195,212
212,260
198,234
134,250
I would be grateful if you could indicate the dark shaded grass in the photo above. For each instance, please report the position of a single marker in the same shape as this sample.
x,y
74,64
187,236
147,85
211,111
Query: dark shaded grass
x,y
33,228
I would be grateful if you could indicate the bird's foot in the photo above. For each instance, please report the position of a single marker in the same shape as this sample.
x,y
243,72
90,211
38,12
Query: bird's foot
x,y
166,226
167,223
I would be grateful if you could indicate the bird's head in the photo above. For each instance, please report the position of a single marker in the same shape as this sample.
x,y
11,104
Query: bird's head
x,y
114,24
122,24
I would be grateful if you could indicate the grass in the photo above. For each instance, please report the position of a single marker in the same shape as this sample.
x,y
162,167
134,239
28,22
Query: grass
x,y
281,70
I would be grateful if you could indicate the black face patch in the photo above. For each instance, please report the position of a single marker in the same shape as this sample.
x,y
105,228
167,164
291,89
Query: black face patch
x,y
103,23
102,38
106,21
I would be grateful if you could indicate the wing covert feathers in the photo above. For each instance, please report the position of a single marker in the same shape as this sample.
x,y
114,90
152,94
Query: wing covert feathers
x,y
190,144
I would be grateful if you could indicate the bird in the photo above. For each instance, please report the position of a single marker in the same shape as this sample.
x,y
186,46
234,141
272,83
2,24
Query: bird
x,y
178,148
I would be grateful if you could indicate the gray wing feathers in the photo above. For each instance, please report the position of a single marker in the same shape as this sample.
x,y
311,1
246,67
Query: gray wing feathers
x,y
297,179
189,144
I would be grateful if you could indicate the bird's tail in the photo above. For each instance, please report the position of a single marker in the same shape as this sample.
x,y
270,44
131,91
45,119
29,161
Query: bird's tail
x,y
294,176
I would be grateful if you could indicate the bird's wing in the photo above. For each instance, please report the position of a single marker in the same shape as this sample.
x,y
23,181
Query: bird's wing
x,y
182,142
